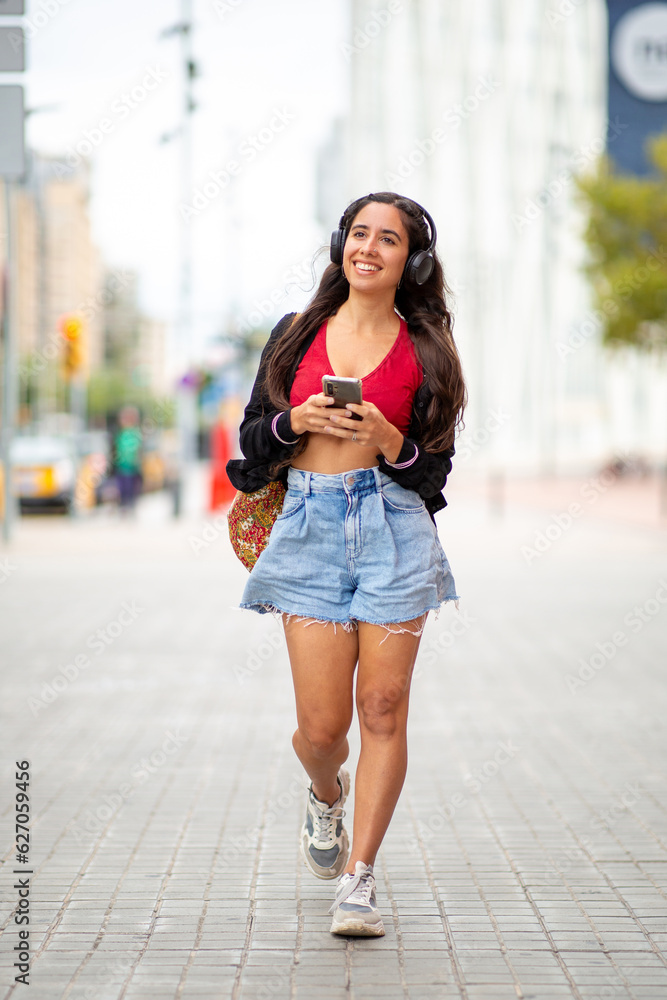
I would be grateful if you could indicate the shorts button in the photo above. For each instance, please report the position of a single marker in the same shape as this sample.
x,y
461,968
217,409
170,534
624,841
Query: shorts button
x,y
350,480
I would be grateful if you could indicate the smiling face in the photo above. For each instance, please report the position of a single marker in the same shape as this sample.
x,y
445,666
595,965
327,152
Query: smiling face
x,y
376,248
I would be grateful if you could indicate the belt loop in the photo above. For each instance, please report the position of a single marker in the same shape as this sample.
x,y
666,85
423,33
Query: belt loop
x,y
378,479
306,484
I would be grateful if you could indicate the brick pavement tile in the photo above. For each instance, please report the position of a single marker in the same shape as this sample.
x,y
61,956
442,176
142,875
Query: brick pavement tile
x,y
306,993
427,976
477,942
594,992
649,962
485,991
361,958
439,992
379,992
541,991
482,959
538,942
497,979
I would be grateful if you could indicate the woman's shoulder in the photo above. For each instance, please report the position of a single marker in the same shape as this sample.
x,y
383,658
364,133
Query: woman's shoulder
x,y
282,326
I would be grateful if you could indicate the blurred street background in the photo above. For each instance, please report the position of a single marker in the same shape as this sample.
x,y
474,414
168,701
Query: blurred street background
x,y
170,174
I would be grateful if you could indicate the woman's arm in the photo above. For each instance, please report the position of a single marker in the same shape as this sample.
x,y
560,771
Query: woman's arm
x,y
419,470
414,468
266,433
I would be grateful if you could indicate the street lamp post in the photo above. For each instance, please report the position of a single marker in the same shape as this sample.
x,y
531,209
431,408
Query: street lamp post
x,y
186,408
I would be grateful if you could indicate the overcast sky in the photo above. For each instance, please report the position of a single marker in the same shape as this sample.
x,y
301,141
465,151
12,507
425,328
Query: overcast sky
x,y
273,75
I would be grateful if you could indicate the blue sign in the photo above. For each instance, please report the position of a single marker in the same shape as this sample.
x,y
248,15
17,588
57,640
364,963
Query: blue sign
x,y
637,79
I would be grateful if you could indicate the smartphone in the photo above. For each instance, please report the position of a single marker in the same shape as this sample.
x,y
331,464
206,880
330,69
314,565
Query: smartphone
x,y
343,390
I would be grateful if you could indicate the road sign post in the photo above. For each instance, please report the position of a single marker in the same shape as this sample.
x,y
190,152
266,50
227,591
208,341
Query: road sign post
x,y
12,167
12,50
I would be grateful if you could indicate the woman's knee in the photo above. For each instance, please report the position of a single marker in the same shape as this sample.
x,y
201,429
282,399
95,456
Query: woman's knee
x,y
323,738
382,710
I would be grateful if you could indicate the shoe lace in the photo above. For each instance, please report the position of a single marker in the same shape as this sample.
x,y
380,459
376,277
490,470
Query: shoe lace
x,y
324,819
360,886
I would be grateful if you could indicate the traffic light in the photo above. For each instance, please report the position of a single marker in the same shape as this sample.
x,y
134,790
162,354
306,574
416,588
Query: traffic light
x,y
72,328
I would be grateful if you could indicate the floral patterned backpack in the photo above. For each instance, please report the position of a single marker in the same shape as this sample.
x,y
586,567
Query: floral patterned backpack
x,y
252,515
251,518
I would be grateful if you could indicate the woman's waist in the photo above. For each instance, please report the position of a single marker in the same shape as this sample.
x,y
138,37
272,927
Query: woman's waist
x,y
334,456
358,479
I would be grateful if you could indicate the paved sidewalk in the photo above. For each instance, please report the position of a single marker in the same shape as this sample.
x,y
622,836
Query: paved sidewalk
x,y
528,854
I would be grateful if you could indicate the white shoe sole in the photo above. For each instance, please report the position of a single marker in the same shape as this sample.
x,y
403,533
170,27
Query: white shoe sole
x,y
357,927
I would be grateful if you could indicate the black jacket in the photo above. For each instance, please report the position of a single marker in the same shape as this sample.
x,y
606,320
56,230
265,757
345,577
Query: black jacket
x,y
261,442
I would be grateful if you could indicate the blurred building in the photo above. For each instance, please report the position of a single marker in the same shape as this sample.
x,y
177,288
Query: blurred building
x,y
132,342
484,112
59,271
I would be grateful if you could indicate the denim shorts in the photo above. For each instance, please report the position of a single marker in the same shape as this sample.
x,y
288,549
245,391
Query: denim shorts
x,y
351,547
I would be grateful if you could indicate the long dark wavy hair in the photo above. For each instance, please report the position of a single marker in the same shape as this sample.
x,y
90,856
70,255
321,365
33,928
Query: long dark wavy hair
x,y
423,307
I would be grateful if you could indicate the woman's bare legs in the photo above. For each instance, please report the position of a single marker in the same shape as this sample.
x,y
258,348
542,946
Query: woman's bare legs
x,y
383,693
323,664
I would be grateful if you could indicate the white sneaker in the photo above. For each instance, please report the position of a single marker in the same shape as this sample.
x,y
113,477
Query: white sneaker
x,y
324,842
354,910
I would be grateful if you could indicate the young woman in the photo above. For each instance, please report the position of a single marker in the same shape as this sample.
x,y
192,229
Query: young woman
x,y
354,563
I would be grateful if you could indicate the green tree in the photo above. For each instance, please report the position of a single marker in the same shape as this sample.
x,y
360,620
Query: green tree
x,y
627,239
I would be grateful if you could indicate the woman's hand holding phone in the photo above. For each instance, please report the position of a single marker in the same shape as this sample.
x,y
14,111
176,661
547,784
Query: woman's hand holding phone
x,y
312,414
373,430
316,415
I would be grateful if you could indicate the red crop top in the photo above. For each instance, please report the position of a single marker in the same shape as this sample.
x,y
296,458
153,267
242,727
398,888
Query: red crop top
x,y
391,386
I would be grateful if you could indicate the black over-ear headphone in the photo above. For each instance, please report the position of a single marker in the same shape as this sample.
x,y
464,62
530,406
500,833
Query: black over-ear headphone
x,y
419,265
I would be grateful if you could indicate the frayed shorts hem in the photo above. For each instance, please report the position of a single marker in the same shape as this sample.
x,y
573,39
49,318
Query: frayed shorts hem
x,y
348,624
268,608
